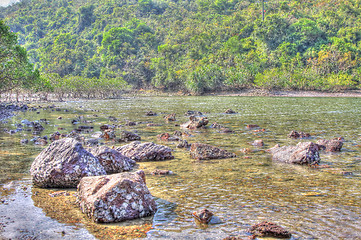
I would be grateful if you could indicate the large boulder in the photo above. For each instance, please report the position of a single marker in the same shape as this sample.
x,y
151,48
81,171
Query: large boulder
x,y
63,163
115,198
112,160
333,145
201,151
147,151
195,122
304,153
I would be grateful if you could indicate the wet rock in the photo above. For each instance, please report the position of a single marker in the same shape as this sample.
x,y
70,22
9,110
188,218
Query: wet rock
x,y
113,119
24,141
41,141
105,127
229,111
76,136
115,198
161,172
126,136
184,144
130,123
112,160
55,136
195,122
37,127
203,215
297,135
74,122
150,113
167,137
147,151
153,125
303,153
333,145
201,151
258,143
26,122
63,163
269,229
108,134
91,142
59,193
170,117
194,113
234,238
60,117
252,126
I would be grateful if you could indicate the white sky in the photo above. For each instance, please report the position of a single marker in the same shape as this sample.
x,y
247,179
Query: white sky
x,y
4,3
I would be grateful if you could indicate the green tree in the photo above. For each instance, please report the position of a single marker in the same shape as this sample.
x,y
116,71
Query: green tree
x,y
15,69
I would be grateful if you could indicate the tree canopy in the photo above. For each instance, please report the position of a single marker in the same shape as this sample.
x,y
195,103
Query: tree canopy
x,y
15,69
196,46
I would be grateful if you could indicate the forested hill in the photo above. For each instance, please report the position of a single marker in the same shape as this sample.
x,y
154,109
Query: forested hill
x,y
194,45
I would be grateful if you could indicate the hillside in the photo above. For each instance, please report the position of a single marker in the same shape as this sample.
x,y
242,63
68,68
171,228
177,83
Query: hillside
x,y
196,46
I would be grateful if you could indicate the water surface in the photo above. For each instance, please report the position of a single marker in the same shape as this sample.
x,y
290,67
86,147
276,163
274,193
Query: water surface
x,y
312,203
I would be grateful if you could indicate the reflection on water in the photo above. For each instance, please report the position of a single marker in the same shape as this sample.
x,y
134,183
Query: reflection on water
x,y
312,203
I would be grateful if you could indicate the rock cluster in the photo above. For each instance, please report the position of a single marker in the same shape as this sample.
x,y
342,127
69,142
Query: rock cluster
x,y
195,122
296,135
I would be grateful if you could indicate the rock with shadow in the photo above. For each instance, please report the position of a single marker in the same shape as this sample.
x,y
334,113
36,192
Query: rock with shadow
x,y
146,151
304,153
115,198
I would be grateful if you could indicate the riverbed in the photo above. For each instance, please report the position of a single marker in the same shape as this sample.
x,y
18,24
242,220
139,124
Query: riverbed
x,y
313,203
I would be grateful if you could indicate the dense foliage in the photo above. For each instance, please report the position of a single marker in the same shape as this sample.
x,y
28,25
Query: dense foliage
x,y
196,46
15,69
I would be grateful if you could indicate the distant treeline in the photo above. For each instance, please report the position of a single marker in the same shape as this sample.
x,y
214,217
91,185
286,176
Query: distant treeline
x,y
197,46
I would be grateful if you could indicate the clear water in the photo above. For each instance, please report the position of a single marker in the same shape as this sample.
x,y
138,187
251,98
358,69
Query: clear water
x,y
322,203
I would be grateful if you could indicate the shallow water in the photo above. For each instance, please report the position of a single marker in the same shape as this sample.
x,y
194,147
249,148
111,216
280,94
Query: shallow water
x,y
312,203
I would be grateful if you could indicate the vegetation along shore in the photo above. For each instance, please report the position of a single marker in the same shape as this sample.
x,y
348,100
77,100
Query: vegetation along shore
x,y
98,49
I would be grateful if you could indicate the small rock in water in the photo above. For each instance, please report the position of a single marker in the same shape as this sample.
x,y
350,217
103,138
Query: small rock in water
x,y
229,111
269,229
203,215
150,113
201,151
170,117
296,135
162,172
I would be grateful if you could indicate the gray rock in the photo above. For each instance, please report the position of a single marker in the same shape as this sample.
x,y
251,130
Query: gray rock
x,y
115,198
333,145
195,122
201,151
304,153
147,151
63,163
112,160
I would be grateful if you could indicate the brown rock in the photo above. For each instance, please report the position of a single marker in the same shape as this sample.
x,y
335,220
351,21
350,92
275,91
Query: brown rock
x,y
170,117
63,163
251,126
161,172
108,134
269,229
303,153
147,151
258,143
150,113
202,151
168,138
333,145
184,144
112,160
203,216
126,136
115,198
229,111
296,135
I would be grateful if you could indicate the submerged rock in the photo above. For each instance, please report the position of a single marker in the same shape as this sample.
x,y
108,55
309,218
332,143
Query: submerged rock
x,y
258,143
195,122
195,113
63,163
170,117
333,145
296,135
161,172
252,126
269,229
115,198
168,138
126,136
147,151
150,113
112,160
201,151
184,144
229,111
303,153
203,215
108,134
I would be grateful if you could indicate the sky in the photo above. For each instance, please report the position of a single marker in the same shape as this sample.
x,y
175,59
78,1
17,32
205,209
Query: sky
x,y
4,3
